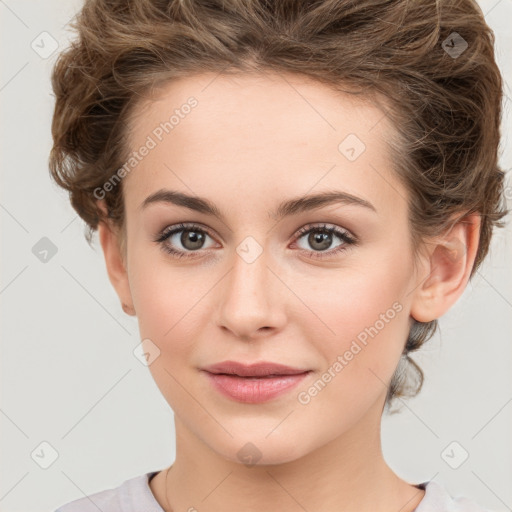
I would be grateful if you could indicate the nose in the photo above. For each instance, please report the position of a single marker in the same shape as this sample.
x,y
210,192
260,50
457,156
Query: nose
x,y
249,298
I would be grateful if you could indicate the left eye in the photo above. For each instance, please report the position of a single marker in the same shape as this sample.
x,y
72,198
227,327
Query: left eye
x,y
320,238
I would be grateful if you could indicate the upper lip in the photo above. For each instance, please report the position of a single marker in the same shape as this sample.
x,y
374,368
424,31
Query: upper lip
x,y
261,369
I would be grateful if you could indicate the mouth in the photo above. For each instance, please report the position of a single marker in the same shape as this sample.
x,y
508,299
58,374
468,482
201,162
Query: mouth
x,y
256,383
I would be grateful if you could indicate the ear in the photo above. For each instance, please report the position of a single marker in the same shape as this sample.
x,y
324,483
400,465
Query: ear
x,y
446,269
114,260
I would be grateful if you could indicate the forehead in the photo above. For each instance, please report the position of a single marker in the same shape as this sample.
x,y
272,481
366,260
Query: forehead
x,y
271,107
259,133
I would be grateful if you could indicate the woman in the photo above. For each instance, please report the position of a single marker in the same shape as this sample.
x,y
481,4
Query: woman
x,y
288,196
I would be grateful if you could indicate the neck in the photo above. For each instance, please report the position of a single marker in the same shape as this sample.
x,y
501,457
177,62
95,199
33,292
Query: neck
x,y
346,474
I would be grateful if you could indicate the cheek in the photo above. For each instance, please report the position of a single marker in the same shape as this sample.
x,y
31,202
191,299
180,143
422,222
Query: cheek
x,y
361,357
174,307
362,317
168,304
171,314
158,295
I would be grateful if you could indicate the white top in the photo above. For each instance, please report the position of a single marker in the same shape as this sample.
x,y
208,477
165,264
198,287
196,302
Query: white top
x,y
134,495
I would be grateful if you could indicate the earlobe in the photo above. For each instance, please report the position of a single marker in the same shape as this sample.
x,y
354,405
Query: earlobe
x,y
115,264
449,265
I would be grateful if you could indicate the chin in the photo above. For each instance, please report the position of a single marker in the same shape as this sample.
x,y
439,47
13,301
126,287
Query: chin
x,y
258,451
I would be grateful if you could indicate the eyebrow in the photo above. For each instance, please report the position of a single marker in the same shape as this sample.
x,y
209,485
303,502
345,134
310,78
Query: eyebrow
x,y
286,208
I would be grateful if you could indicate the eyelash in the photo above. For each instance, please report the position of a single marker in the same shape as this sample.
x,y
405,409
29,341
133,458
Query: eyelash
x,y
343,235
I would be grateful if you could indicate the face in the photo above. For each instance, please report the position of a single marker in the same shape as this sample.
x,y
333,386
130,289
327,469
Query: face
x,y
318,286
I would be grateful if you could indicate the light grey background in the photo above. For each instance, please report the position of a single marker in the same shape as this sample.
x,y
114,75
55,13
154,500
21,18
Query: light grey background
x,y
68,374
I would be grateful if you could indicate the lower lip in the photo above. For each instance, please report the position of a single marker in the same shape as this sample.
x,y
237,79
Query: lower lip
x,y
254,390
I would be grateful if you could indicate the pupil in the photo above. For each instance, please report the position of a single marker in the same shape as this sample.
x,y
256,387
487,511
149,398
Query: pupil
x,y
193,240
324,239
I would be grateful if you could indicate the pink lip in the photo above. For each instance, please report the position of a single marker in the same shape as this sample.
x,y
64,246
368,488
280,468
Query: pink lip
x,y
255,383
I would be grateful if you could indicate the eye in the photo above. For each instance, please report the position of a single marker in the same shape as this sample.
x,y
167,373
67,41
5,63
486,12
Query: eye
x,y
321,238
190,236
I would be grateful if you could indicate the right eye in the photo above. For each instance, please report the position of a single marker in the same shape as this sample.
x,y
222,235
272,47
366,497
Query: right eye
x,y
190,236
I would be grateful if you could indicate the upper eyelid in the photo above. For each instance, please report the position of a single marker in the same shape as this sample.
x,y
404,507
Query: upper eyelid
x,y
326,226
176,228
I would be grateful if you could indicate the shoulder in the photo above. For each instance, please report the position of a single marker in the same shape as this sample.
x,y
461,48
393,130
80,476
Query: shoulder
x,y
132,495
437,499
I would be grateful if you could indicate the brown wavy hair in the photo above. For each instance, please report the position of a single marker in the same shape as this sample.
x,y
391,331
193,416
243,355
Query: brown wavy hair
x,y
444,103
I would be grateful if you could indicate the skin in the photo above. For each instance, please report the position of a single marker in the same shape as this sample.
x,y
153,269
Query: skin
x,y
252,142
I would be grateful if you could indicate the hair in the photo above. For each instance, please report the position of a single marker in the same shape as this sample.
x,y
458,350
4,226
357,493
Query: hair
x,y
444,101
